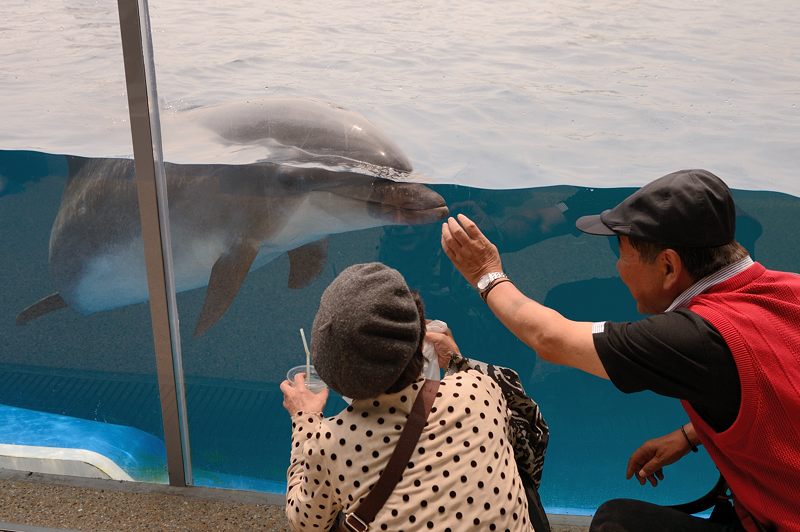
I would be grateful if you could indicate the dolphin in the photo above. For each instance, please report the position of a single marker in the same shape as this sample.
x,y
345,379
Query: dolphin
x,y
326,170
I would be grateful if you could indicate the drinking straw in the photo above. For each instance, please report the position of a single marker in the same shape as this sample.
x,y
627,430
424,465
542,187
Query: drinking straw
x,y
308,353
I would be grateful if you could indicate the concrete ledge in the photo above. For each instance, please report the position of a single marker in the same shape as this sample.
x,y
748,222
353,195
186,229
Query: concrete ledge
x,y
38,501
215,494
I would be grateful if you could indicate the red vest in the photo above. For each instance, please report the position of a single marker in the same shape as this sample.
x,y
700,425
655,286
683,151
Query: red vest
x,y
757,312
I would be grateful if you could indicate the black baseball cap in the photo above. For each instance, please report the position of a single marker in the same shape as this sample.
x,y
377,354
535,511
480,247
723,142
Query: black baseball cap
x,y
687,208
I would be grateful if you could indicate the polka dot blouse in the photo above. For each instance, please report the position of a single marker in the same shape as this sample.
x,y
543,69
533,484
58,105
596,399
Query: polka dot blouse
x,y
462,475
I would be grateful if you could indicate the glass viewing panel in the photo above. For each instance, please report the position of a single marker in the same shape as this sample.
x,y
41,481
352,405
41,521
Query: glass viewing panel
x,y
78,387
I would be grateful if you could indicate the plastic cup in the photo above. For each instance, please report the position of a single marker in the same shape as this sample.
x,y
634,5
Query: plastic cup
x,y
313,382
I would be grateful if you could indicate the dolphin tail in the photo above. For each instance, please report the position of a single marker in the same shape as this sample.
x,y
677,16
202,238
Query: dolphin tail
x,y
227,277
40,308
306,262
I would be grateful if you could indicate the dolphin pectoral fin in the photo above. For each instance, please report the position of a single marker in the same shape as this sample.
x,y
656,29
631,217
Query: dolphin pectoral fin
x,y
306,262
40,308
227,277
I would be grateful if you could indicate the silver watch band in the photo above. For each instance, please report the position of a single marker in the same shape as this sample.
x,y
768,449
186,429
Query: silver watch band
x,y
485,293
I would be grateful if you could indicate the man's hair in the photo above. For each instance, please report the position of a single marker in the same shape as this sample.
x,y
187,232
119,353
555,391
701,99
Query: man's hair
x,y
699,262
414,367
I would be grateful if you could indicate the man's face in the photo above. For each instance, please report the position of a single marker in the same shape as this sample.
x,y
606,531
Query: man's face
x,y
644,280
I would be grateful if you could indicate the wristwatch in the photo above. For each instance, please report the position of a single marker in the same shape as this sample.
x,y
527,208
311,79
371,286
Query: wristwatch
x,y
487,281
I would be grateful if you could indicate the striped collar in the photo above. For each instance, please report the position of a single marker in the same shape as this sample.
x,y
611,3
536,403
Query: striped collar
x,y
721,275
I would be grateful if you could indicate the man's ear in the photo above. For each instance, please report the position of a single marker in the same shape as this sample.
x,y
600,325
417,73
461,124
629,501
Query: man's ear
x,y
674,272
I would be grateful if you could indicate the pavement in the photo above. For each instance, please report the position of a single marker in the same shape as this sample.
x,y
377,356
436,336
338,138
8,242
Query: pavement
x,y
33,502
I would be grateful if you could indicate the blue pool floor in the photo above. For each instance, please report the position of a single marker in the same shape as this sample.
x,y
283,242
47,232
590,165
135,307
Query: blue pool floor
x,y
100,404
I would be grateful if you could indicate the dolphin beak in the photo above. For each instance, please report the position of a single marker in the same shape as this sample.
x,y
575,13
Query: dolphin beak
x,y
406,203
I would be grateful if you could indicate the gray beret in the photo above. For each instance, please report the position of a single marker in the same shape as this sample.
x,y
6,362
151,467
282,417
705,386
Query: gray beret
x,y
366,330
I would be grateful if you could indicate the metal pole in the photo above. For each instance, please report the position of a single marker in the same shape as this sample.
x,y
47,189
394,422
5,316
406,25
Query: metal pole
x,y
153,211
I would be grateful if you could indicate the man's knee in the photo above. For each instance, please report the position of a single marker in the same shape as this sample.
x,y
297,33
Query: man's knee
x,y
616,515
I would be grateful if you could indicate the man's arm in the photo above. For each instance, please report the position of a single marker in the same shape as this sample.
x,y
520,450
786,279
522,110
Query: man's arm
x,y
551,335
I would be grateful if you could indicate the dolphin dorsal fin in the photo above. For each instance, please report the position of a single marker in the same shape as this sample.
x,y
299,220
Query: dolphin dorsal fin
x,y
44,306
306,262
227,277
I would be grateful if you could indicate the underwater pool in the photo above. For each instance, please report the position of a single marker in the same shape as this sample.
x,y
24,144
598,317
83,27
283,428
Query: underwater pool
x,y
101,367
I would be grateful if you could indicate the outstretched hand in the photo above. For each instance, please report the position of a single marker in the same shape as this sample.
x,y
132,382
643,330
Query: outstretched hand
x,y
298,398
647,462
469,250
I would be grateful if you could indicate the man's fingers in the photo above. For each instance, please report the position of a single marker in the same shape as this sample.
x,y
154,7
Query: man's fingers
x,y
632,468
635,462
457,232
650,470
660,474
449,243
469,226
448,250
644,478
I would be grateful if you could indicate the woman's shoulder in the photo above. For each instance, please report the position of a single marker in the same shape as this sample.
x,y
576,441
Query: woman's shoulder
x,y
383,409
472,379
466,375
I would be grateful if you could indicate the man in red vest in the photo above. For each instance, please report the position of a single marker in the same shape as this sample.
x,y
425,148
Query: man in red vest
x,y
723,337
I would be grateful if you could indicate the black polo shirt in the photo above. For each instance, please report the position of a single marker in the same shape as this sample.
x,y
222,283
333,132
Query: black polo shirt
x,y
677,354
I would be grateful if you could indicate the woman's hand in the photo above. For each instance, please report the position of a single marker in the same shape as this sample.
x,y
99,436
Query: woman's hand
x,y
444,344
298,398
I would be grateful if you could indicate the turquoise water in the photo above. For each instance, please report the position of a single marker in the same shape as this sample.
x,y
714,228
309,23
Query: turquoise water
x,y
503,110
100,367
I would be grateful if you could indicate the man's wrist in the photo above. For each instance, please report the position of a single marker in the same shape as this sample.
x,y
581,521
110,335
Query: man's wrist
x,y
485,293
692,445
488,280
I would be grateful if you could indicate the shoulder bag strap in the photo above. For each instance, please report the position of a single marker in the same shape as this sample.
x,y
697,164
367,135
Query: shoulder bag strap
x,y
359,519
